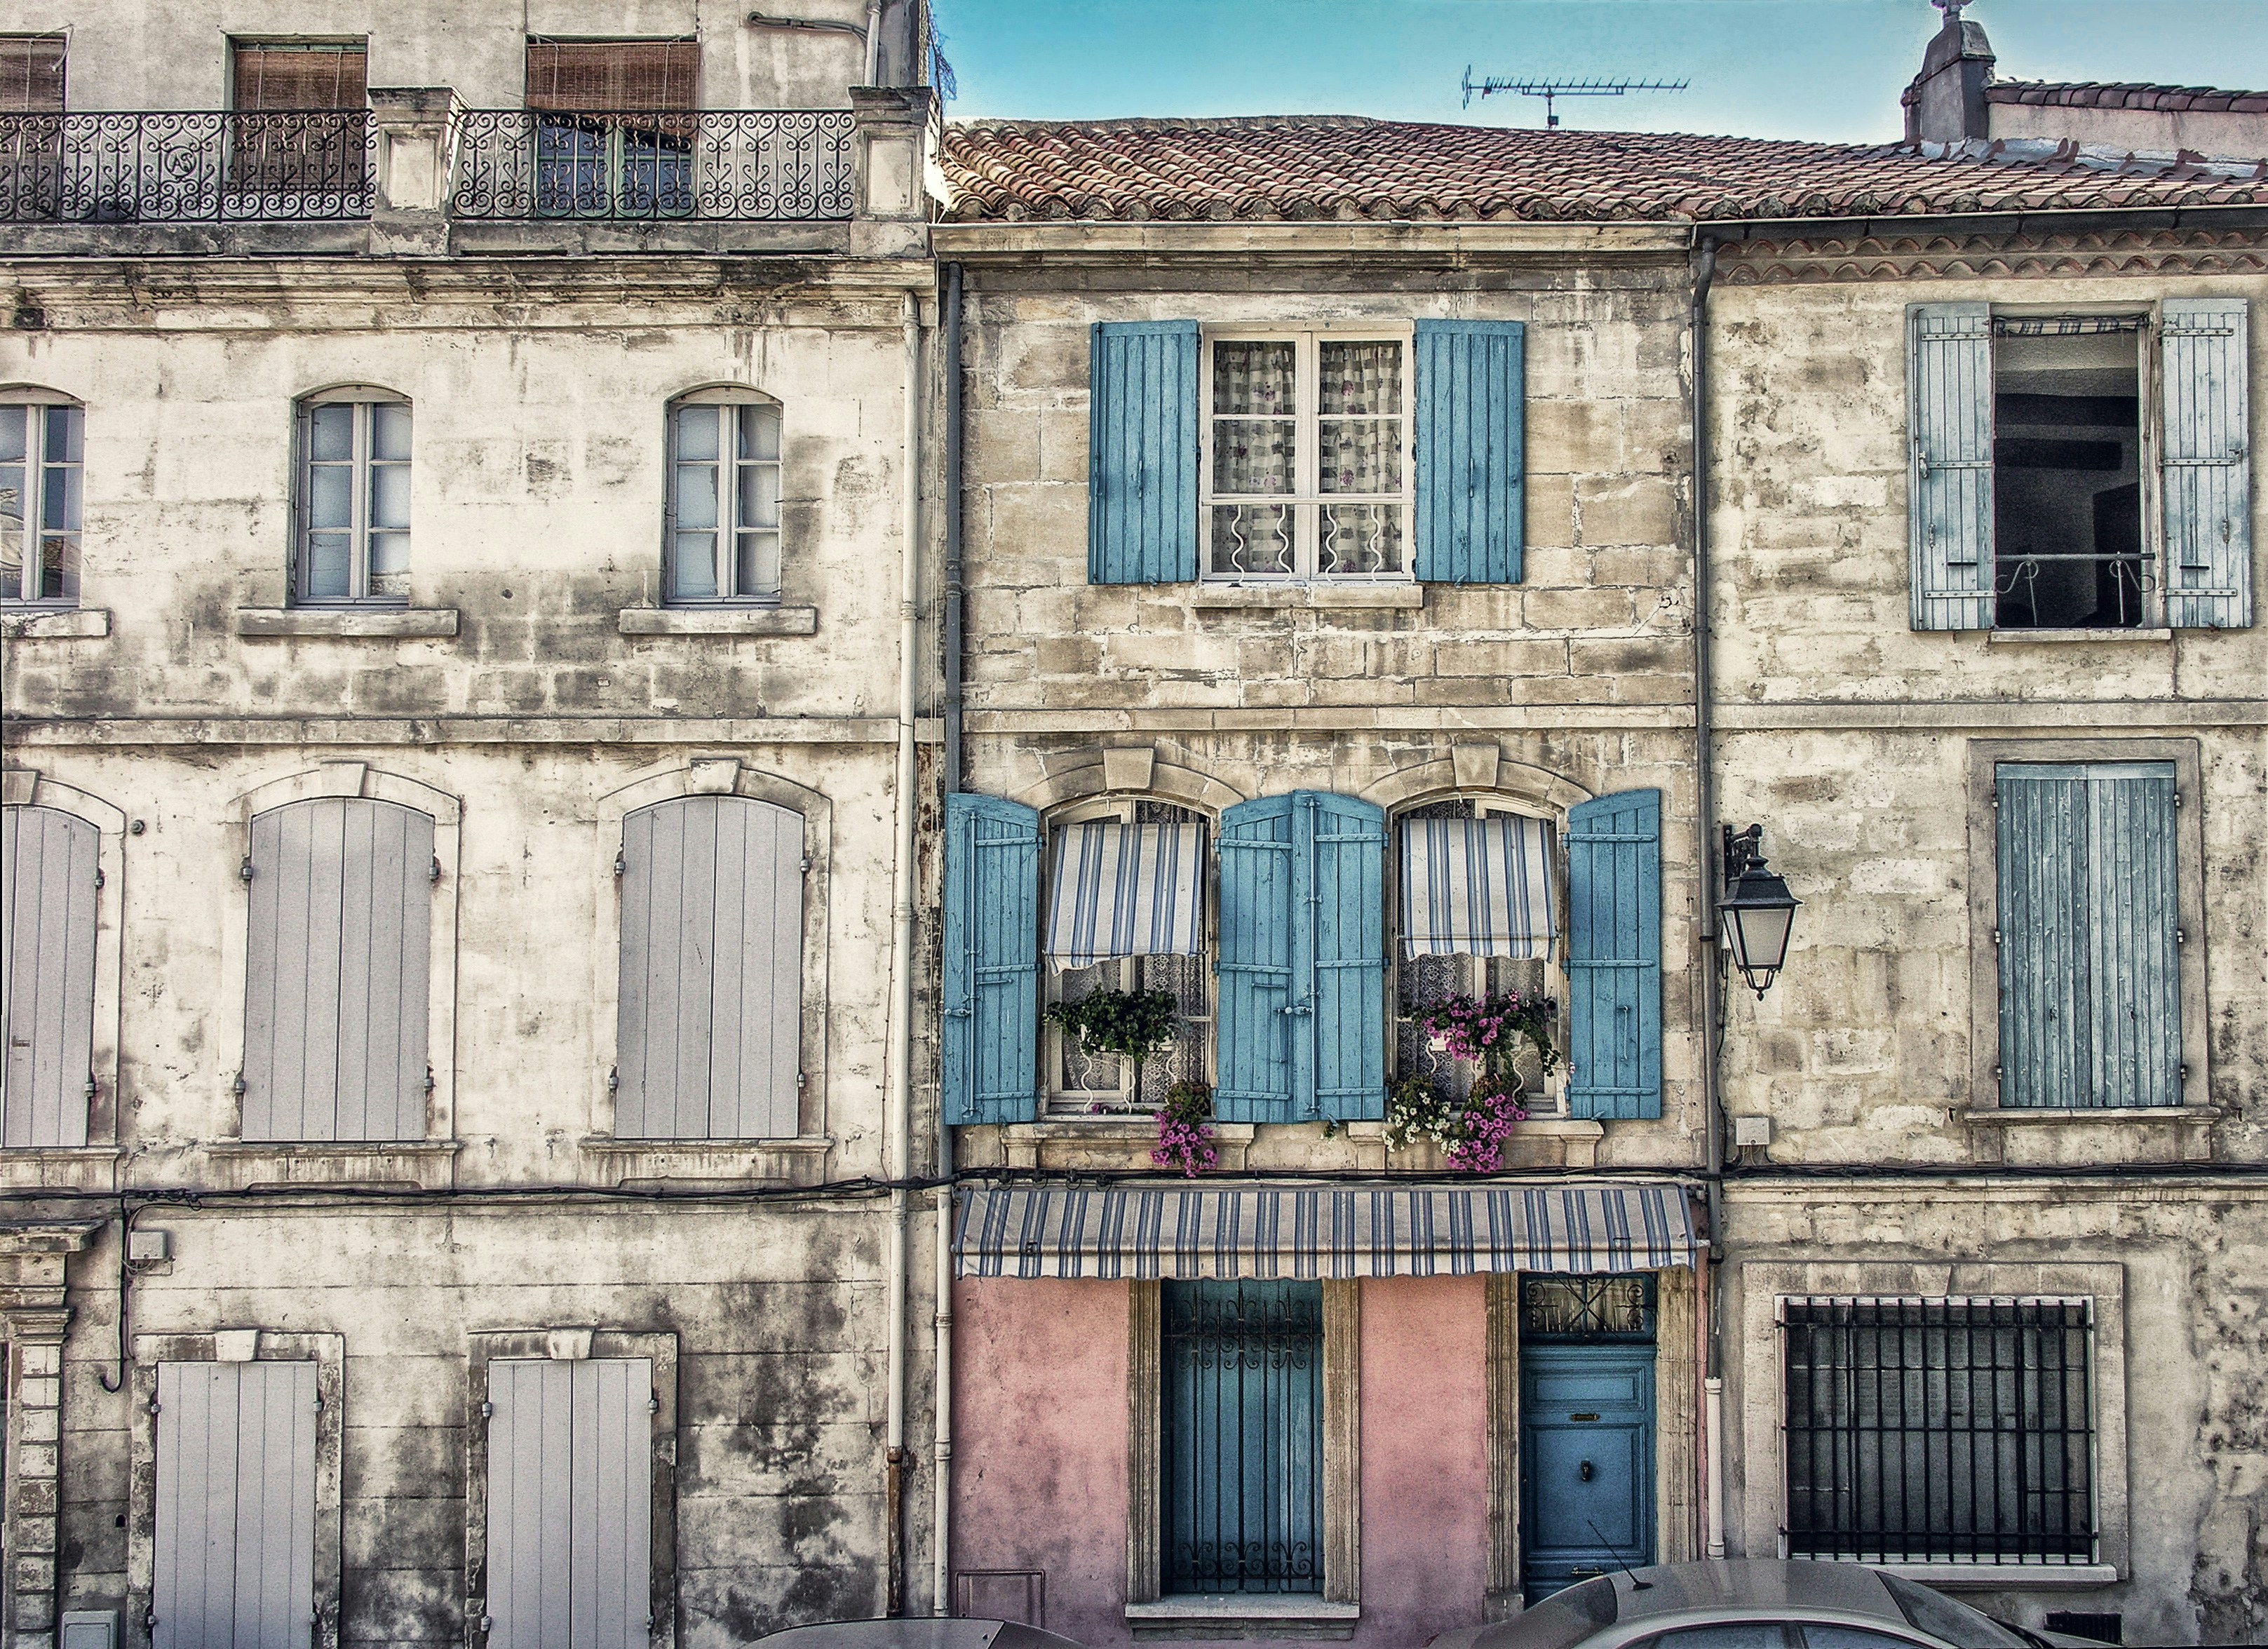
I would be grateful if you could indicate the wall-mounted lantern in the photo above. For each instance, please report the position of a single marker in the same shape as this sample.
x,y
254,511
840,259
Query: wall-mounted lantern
x,y
1755,911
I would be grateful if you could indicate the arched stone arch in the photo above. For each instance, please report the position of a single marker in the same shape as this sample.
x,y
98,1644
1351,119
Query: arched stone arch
x,y
1131,770
1477,769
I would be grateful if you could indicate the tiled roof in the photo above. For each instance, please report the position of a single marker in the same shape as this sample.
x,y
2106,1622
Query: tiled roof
x,y
2096,94
1321,168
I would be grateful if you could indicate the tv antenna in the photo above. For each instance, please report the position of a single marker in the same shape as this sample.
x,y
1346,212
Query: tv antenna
x,y
1552,91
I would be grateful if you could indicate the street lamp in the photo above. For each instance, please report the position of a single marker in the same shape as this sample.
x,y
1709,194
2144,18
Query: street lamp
x,y
1755,910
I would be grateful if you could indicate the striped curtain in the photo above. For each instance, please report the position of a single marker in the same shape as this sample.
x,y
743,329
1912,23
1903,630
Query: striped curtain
x,y
1477,887
1125,890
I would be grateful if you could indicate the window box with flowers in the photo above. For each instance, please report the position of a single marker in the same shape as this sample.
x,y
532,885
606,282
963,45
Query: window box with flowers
x,y
1485,1032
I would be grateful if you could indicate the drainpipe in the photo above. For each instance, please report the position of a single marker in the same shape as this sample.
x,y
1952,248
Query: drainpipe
x,y
1705,856
898,1123
873,41
955,598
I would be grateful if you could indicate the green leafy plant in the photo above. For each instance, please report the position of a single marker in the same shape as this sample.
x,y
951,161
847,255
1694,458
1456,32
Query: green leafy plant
x,y
1135,1024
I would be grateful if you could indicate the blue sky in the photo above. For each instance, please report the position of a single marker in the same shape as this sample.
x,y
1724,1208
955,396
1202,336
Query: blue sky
x,y
1830,69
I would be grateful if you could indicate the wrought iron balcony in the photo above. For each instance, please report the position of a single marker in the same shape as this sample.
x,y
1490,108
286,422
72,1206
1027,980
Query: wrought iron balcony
x,y
739,164
195,166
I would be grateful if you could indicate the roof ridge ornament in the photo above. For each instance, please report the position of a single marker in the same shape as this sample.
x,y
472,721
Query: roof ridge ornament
x,y
1952,8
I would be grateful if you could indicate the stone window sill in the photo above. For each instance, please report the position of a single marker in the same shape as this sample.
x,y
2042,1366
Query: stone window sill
x,y
1222,596
2192,1125
2002,1576
2021,638
50,623
2015,1117
340,624
719,621
58,1168
239,1164
611,1161
1243,1616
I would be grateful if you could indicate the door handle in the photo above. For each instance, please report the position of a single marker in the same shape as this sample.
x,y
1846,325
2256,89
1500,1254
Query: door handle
x,y
1583,1471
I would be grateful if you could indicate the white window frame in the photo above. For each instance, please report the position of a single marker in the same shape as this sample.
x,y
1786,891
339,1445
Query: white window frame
x,y
729,525
1058,1104
362,398
39,407
1306,497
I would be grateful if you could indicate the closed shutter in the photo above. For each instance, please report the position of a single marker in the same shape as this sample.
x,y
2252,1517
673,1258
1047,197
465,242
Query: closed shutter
x,y
1302,960
2089,958
1142,435
1469,449
335,971
1614,955
991,961
709,1036
1949,473
301,77
234,1559
612,74
570,1503
32,74
2207,463
48,880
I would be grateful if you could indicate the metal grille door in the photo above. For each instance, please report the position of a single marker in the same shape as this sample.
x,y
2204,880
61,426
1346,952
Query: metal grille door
x,y
1242,1422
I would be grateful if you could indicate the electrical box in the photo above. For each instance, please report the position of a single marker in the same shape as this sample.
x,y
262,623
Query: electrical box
x,y
149,1244
1751,1130
89,1627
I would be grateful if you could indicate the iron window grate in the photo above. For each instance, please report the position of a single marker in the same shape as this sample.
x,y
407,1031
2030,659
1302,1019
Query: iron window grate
x,y
1933,1431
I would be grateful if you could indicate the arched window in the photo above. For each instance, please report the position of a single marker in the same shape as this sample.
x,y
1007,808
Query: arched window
x,y
48,875
709,1040
352,533
41,439
722,539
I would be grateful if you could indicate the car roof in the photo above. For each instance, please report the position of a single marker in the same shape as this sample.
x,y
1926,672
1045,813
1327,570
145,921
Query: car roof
x,y
1753,1583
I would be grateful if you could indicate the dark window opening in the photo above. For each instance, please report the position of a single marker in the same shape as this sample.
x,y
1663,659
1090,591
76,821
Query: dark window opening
x,y
2103,1628
616,126
2066,474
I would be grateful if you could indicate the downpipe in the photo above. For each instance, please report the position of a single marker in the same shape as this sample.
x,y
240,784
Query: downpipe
x,y
955,601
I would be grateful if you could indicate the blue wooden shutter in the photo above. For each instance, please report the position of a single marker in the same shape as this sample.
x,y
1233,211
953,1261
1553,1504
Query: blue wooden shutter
x,y
1468,451
2207,463
1949,464
1142,446
1258,1004
48,875
1344,867
234,1555
991,961
2089,911
1614,955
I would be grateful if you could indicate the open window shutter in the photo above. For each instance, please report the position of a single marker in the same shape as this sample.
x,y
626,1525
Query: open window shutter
x,y
1142,435
991,961
234,1547
1259,852
1614,955
1345,948
2207,463
1468,451
48,870
1949,468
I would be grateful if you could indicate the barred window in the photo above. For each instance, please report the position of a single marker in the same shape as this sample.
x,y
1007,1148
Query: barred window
x,y
1932,1431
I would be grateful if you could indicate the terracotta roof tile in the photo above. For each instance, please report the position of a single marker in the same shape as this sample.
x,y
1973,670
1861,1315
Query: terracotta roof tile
x,y
1306,167
2095,94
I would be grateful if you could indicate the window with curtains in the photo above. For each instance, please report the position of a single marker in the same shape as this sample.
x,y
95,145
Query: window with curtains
x,y
41,447
1125,909
301,122
2079,471
353,505
722,535
2089,935
615,127
1477,902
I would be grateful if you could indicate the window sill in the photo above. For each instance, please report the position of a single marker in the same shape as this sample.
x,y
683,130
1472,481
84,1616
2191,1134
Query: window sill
x,y
239,1165
719,621
345,623
611,1161
1237,1614
59,1167
2021,638
1992,1116
2003,1576
1224,597
49,623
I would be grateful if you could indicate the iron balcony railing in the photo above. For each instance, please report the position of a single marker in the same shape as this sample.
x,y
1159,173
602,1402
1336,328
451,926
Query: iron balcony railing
x,y
739,164
191,167
314,165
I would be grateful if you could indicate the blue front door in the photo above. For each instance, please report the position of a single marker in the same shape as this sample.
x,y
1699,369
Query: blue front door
x,y
1586,1463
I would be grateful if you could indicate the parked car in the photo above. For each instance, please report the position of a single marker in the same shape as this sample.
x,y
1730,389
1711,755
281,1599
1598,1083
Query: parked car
x,y
929,1633
1750,1603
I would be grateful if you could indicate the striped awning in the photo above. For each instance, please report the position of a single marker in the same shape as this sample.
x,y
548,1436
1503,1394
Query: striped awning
x,y
1262,1231
1125,890
1476,887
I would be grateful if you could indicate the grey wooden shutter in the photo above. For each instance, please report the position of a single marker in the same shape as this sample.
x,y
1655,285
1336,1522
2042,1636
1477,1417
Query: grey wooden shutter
x,y
335,971
235,1552
2207,463
48,880
708,1034
1949,471
570,1503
